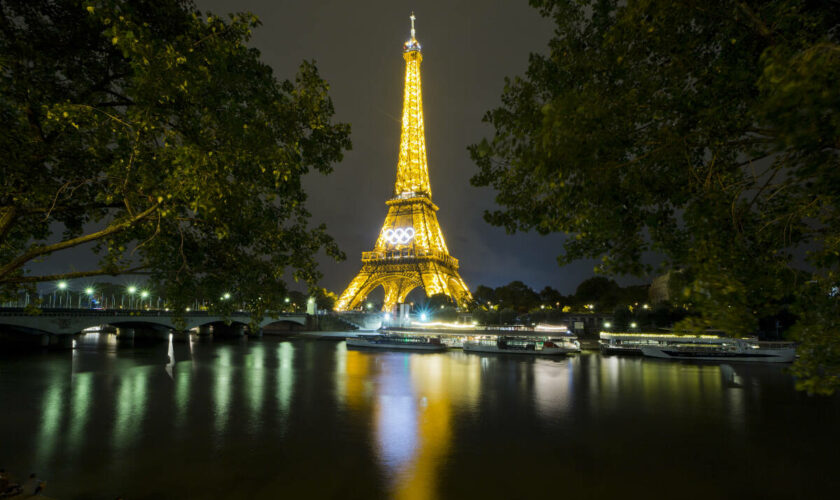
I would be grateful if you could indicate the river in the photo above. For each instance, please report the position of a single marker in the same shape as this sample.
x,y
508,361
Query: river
x,y
271,418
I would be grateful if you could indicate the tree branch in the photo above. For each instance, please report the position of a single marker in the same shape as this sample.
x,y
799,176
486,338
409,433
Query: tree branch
x,y
7,218
48,249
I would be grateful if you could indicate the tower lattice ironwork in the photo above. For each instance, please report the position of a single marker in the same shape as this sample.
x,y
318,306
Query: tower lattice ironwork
x,y
410,251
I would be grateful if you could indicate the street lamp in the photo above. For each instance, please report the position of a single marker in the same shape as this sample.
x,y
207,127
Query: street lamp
x,y
632,326
143,295
131,291
62,285
89,293
607,325
226,296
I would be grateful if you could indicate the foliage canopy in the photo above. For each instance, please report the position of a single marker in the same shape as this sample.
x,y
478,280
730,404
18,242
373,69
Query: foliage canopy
x,y
708,134
156,134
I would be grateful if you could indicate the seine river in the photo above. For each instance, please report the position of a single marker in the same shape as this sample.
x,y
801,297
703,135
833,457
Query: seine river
x,y
295,419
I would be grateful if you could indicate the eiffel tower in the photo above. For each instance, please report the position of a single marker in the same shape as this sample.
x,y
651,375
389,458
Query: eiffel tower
x,y
410,251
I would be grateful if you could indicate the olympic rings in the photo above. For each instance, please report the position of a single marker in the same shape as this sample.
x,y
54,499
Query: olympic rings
x,y
399,236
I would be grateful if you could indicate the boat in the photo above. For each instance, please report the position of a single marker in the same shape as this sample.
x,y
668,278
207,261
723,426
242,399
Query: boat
x,y
631,342
399,342
725,349
523,345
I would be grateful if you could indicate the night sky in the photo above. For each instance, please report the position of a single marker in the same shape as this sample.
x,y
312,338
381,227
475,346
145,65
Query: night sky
x,y
468,49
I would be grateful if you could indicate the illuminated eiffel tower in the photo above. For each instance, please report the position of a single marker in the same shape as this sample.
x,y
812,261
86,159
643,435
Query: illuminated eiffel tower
x,y
410,251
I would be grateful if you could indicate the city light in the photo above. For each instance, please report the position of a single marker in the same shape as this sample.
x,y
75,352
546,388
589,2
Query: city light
x,y
423,317
607,325
62,285
286,300
632,325
144,294
226,296
132,289
89,291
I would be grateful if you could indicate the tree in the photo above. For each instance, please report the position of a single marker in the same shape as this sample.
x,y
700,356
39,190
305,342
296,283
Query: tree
x,y
550,296
600,292
517,296
152,132
325,299
484,295
709,134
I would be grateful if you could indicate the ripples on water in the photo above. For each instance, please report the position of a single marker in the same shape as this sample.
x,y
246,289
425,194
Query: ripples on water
x,y
311,419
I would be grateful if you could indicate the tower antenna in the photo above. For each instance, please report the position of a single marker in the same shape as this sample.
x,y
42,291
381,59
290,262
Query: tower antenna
x,y
412,24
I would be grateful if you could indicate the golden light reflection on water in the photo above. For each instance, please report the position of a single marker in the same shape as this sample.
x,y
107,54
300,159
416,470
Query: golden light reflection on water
x,y
412,410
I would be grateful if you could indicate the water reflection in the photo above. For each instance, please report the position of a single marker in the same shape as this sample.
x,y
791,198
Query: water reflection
x,y
222,389
399,425
285,377
254,374
81,400
416,396
52,410
131,406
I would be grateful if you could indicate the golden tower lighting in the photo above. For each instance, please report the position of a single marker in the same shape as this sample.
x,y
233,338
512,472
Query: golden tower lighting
x,y
410,251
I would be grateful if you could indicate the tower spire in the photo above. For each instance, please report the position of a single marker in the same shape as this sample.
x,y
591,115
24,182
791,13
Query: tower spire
x,y
412,170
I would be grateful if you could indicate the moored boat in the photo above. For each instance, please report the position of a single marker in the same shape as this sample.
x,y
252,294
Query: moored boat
x,y
523,345
725,349
399,342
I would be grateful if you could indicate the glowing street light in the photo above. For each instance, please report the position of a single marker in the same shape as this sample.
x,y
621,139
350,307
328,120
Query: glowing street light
x,y
632,325
423,317
226,296
607,324
62,285
369,305
89,291
286,300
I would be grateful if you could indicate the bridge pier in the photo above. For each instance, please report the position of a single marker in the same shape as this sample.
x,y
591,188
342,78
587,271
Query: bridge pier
x,y
180,335
232,330
204,330
255,334
125,336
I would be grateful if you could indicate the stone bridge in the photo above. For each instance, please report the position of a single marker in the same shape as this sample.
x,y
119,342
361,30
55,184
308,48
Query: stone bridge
x,y
72,321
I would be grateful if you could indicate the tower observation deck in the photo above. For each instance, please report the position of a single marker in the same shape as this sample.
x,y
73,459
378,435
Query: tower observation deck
x,y
410,251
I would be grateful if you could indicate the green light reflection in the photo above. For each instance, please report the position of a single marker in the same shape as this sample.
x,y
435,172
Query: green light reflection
x,y
221,392
131,406
80,404
51,414
285,377
255,381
